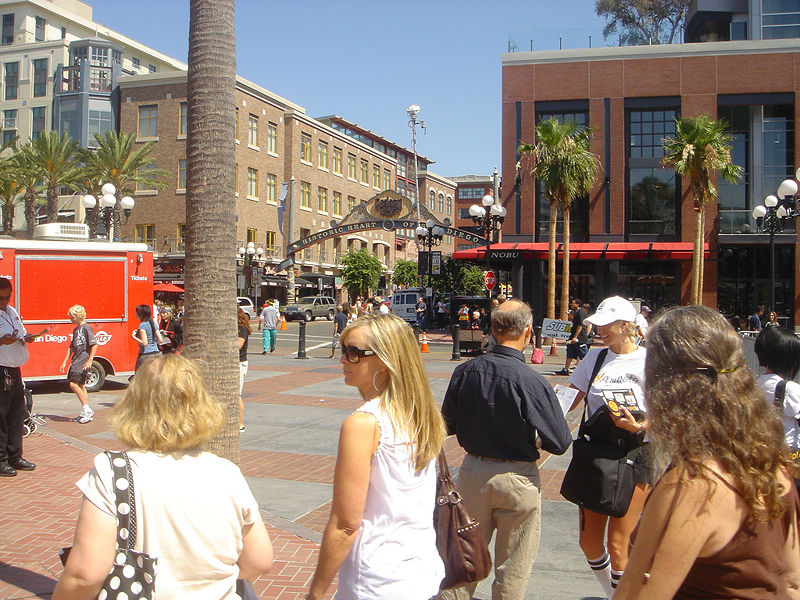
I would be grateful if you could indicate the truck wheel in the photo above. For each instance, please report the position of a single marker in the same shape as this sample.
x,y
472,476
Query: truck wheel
x,y
330,315
95,377
308,316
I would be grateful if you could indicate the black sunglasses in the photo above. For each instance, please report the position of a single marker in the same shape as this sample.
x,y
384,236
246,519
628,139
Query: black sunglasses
x,y
353,354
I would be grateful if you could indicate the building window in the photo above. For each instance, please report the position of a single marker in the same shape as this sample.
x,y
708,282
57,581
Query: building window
x,y
151,68
41,24
148,121
449,205
271,244
79,55
272,138
146,234
99,123
733,198
322,199
780,19
11,80
441,202
252,182
9,125
63,33
182,174
387,179
252,131
135,63
116,57
337,203
38,121
39,77
471,193
364,172
99,56
305,147
351,203
432,200
272,185
376,176
183,119
337,160
144,184
252,235
653,198
8,30
305,194
181,245
323,155
351,166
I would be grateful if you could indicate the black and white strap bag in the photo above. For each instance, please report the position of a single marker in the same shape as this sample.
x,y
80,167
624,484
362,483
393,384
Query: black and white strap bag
x,y
133,573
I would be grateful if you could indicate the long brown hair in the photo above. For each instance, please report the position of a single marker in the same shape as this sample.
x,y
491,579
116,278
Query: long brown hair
x,y
703,404
244,320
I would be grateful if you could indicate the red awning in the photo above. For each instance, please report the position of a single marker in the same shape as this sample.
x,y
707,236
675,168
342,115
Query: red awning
x,y
585,251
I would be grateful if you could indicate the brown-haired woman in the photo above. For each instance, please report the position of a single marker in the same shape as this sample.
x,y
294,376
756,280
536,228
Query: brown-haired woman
x,y
244,336
722,522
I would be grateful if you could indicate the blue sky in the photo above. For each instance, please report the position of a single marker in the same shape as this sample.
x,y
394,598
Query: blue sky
x,y
368,60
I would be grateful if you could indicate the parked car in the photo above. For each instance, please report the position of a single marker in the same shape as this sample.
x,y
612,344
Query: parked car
x,y
247,306
404,303
310,308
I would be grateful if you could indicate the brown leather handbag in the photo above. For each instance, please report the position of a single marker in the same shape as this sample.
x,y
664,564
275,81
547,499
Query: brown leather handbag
x,y
459,539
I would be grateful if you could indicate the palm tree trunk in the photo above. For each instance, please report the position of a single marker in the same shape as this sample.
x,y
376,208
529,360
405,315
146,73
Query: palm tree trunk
x,y
551,262
210,321
8,219
30,212
52,204
702,255
696,256
565,262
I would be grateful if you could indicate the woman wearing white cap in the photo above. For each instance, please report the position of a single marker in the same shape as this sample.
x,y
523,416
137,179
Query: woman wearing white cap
x,y
620,374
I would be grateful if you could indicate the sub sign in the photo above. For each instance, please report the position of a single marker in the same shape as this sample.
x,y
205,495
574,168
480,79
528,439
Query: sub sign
x,y
553,328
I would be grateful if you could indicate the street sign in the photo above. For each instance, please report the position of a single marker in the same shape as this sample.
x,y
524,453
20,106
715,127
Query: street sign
x,y
489,280
561,330
436,262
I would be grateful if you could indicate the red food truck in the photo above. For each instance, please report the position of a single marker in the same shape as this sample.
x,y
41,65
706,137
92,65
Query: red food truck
x,y
108,278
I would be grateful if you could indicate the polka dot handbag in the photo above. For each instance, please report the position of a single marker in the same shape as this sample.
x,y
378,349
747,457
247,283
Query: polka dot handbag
x,y
133,575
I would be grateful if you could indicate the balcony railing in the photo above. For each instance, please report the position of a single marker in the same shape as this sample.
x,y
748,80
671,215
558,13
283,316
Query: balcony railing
x,y
742,221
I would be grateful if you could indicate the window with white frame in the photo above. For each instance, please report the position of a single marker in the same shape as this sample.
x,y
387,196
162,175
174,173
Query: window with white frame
x,y
252,131
322,163
351,166
272,137
148,121
337,160
183,119
305,194
322,199
305,147
337,203
182,174
252,182
272,186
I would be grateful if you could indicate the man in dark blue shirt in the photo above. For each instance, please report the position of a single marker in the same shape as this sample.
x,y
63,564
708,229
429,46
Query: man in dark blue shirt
x,y
339,323
496,405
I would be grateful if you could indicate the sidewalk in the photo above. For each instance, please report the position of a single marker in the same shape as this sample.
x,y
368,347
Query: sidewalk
x,y
293,412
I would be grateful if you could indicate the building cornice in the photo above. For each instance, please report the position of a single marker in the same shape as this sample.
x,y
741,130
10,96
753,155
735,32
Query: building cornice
x,y
650,52
438,179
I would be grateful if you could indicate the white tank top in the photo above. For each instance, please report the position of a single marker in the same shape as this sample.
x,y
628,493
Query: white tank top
x,y
394,556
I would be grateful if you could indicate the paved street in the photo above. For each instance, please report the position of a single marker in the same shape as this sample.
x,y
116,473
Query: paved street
x,y
293,411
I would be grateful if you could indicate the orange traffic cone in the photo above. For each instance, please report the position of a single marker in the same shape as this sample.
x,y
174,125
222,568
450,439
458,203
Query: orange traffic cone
x,y
283,323
424,347
553,349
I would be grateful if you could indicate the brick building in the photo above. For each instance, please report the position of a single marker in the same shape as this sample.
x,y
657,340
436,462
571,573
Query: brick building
x,y
633,234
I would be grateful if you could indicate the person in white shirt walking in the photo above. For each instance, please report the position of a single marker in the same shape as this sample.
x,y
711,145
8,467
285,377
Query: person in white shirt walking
x,y
642,324
268,323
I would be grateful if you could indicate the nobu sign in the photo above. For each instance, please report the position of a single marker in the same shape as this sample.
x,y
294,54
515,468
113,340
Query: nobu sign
x,y
387,225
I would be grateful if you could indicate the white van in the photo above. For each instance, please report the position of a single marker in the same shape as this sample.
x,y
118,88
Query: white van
x,y
404,303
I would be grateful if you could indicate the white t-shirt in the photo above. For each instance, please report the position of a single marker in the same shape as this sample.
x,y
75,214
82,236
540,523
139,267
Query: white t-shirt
x,y
191,509
641,323
16,354
620,372
791,405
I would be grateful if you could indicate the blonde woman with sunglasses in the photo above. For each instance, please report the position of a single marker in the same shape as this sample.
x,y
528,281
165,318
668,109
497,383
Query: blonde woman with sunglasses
x,y
380,537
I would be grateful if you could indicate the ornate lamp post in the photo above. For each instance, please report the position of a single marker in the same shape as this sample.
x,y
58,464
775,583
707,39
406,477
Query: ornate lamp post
x,y
412,111
771,218
251,260
107,213
489,218
428,236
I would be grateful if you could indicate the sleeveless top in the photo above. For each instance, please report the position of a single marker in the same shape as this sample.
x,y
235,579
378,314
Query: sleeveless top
x,y
394,556
750,567
149,332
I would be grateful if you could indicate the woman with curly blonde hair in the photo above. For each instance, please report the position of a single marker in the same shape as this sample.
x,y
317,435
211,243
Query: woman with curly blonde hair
x,y
195,512
380,535
722,522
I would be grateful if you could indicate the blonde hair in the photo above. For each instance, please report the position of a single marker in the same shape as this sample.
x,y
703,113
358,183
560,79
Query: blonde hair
x,y
703,404
77,312
405,394
167,407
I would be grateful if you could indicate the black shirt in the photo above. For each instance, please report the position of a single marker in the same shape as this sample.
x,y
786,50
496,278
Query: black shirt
x,y
577,321
339,322
243,333
496,404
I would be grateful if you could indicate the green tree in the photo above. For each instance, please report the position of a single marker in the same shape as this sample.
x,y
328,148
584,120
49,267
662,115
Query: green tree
x,y
51,156
405,273
701,148
210,320
360,272
566,167
27,175
642,22
459,277
10,198
470,280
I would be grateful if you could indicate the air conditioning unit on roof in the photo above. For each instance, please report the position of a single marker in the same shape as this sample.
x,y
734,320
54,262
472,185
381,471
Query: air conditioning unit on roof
x,y
61,231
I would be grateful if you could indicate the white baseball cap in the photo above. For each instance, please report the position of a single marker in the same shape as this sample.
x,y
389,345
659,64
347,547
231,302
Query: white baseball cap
x,y
613,309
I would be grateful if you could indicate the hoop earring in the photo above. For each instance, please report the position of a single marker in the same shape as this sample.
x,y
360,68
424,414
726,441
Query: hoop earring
x,y
374,384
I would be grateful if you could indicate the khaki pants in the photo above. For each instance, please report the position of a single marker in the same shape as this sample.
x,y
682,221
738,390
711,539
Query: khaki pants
x,y
504,497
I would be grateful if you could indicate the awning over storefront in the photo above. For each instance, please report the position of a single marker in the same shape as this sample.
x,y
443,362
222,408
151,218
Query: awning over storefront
x,y
584,251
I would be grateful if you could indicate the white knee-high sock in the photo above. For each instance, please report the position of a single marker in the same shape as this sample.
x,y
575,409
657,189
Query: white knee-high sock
x,y
615,577
601,567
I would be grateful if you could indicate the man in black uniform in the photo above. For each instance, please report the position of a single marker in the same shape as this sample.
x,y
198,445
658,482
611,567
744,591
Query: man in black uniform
x,y
578,344
497,405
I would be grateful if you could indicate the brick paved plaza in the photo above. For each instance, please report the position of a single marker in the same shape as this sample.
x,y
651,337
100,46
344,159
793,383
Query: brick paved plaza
x,y
293,411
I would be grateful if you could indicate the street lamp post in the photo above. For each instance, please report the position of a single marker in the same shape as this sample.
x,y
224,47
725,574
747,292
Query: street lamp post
x,y
771,218
489,218
412,111
250,257
428,236
106,213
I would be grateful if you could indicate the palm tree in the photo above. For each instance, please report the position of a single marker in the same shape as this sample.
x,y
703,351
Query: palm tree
x,y
210,321
27,175
566,167
700,148
51,155
10,197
